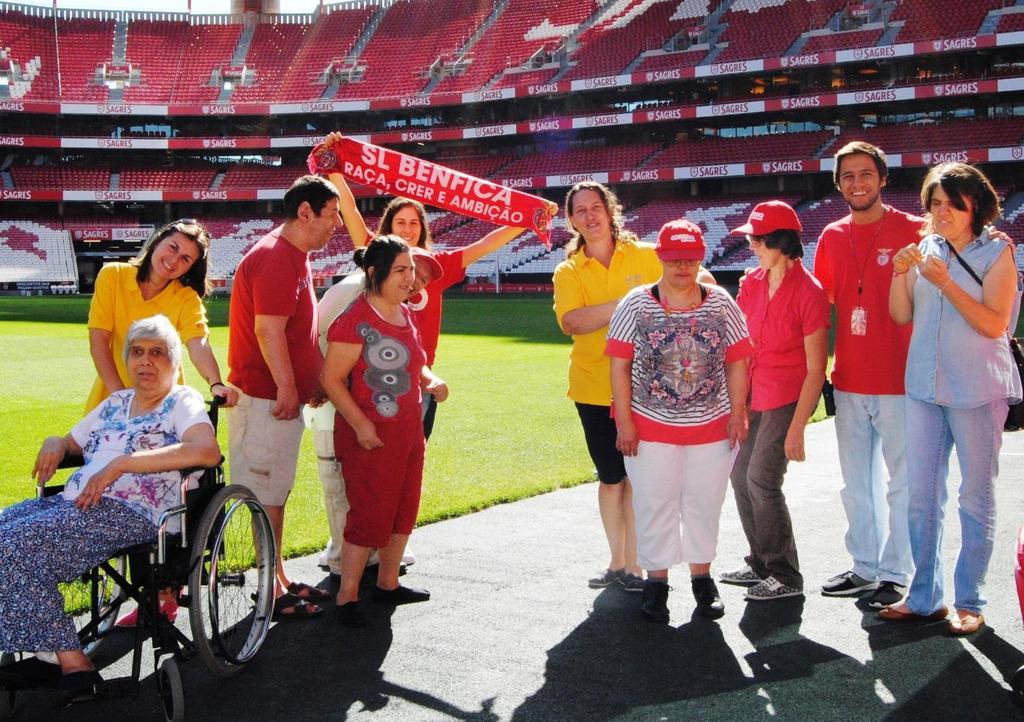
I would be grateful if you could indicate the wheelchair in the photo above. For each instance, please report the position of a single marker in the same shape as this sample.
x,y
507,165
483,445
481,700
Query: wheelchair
x,y
215,551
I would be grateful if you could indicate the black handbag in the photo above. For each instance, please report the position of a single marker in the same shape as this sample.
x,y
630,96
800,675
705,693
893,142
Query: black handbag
x,y
1015,417
1015,414
828,394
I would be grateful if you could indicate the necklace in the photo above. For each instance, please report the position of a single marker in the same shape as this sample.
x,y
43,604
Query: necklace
x,y
687,305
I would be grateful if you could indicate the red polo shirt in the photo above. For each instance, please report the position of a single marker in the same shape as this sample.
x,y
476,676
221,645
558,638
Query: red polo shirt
x,y
777,328
852,256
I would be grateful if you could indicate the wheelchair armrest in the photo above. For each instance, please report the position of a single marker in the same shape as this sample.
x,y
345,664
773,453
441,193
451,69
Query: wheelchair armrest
x,y
71,461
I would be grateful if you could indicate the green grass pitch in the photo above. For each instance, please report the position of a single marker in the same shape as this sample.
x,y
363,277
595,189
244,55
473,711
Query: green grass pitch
x,y
506,432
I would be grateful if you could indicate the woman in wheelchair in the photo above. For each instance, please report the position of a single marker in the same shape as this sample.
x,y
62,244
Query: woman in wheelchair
x,y
132,444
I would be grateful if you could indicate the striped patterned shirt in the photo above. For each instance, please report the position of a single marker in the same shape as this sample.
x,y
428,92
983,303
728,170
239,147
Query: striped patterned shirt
x,y
678,363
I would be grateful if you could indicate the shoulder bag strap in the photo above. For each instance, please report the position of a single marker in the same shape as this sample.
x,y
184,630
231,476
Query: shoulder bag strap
x,y
964,264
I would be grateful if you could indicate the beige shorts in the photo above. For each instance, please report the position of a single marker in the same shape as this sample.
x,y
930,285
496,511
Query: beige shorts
x,y
264,450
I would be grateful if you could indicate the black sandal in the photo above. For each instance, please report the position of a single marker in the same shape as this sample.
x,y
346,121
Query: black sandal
x,y
290,606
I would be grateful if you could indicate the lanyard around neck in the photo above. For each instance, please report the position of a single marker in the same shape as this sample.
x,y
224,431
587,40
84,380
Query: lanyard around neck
x,y
859,264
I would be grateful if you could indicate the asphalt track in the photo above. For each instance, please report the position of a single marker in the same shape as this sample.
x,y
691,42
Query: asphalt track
x,y
513,633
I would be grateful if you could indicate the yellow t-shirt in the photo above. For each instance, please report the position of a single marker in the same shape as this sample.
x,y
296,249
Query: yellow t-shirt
x,y
117,303
583,281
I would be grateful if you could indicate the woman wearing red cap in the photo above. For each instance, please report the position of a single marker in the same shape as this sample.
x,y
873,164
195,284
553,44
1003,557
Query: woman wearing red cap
x,y
678,353
787,315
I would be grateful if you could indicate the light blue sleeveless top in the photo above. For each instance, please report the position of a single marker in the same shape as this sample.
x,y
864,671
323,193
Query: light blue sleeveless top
x,y
949,363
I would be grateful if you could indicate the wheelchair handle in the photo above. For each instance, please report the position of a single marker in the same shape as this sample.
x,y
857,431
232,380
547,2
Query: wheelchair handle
x,y
215,403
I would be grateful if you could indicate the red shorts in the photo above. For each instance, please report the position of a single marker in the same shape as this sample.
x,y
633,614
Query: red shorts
x,y
382,485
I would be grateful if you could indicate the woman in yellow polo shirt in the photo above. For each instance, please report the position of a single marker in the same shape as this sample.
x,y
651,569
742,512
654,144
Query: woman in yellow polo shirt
x,y
604,262
168,277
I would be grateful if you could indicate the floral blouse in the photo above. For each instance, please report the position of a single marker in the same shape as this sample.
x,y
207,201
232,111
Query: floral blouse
x,y
108,431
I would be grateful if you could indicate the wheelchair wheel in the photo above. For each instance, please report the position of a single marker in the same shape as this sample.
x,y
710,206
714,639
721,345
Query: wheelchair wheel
x,y
231,583
172,692
1017,687
8,697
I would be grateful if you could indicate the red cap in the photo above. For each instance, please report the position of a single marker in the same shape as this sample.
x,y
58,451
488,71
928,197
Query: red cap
x,y
770,216
681,240
422,257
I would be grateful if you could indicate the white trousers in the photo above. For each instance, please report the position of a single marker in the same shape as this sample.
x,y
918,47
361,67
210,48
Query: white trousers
x,y
678,492
335,500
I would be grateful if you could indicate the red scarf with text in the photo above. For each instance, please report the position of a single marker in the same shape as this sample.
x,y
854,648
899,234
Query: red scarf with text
x,y
431,184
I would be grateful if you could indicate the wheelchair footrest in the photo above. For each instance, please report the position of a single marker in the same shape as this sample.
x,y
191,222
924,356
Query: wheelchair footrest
x,y
107,689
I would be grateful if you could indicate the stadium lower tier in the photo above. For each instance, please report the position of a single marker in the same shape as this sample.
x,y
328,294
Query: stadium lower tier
x,y
37,255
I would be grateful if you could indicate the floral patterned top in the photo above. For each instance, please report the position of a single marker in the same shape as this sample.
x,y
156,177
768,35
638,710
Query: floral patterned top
x,y
109,431
678,363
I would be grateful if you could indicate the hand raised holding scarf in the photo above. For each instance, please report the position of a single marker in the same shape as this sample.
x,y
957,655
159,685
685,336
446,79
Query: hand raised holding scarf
x,y
431,184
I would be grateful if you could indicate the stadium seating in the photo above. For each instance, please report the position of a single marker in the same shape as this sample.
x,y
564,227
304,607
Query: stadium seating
x,y
274,47
255,175
84,45
519,32
767,28
579,159
534,77
708,151
951,135
671,60
956,19
155,48
196,178
841,41
411,37
33,252
62,177
1011,22
329,40
626,30
177,60
31,46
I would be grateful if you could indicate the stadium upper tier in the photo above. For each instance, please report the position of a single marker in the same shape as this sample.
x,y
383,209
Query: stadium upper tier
x,y
415,47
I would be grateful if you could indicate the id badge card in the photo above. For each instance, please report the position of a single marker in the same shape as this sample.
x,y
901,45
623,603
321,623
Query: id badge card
x,y
859,321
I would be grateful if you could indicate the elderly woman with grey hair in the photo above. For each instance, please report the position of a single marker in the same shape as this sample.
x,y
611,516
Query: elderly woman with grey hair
x,y
132,443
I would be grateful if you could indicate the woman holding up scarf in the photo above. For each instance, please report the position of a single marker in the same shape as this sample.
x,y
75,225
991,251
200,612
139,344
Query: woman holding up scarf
x,y
407,219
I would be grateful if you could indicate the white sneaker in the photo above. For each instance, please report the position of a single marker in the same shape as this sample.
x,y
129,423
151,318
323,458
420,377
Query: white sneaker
x,y
771,588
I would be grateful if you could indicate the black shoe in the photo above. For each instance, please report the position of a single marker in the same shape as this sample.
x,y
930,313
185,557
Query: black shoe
x,y
27,673
78,686
886,594
349,614
400,595
370,574
709,604
605,578
654,603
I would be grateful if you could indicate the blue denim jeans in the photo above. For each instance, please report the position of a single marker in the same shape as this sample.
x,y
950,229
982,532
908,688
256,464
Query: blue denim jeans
x,y
870,431
977,433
